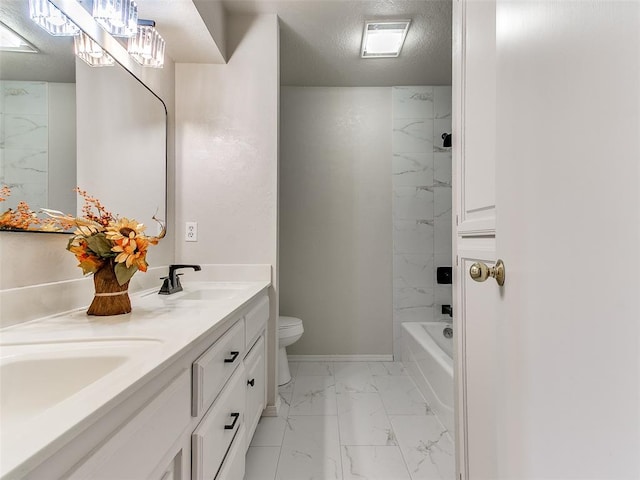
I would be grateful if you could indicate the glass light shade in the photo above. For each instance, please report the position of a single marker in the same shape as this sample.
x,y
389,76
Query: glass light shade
x,y
49,17
384,39
90,52
118,17
147,47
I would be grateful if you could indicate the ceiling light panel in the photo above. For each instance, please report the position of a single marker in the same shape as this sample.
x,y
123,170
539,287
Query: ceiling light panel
x,y
384,39
10,41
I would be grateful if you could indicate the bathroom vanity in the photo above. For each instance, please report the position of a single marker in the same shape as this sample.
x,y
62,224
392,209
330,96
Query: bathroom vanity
x,y
173,390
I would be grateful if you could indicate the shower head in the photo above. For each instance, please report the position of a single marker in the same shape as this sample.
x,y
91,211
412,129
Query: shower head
x,y
446,137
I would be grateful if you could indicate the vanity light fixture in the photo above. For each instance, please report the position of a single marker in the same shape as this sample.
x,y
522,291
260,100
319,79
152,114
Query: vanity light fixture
x,y
49,17
147,47
384,39
118,17
10,41
90,52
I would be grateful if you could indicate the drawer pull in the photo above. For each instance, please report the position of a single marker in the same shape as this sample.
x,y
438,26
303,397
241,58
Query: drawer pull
x,y
234,355
252,382
235,416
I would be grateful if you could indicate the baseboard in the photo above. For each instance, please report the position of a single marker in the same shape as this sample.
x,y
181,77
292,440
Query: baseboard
x,y
272,410
340,358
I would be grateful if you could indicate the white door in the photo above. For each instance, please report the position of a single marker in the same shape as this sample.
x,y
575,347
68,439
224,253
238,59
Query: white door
x,y
549,365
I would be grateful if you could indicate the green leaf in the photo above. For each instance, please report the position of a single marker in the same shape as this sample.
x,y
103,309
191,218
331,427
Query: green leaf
x,y
99,244
124,274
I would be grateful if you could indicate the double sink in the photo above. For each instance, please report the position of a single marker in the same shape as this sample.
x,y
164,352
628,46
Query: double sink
x,y
41,378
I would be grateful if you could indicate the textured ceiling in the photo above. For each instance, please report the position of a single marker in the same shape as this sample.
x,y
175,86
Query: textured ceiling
x,y
54,61
178,21
320,41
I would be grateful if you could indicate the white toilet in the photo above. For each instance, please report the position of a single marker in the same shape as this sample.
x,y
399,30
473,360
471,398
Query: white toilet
x,y
289,332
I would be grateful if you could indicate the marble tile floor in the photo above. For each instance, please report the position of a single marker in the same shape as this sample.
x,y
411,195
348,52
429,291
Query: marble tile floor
x,y
351,420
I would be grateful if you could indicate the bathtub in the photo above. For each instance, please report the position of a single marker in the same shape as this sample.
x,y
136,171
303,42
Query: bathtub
x,y
428,356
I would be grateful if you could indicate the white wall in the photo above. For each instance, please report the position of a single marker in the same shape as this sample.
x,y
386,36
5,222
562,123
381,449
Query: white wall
x,y
62,146
227,154
335,206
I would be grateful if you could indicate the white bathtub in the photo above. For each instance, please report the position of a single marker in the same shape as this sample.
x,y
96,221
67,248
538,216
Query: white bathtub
x,y
428,357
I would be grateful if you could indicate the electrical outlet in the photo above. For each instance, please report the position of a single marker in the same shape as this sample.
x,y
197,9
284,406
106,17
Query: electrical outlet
x,y
191,232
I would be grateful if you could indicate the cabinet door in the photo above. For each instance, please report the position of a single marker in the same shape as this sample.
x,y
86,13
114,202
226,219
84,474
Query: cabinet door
x,y
147,441
474,138
179,465
256,386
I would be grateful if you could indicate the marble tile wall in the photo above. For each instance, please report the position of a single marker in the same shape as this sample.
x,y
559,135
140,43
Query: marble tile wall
x,y
24,141
421,169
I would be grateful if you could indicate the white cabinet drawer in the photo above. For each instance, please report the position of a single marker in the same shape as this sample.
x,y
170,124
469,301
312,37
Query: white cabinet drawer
x,y
135,451
255,366
211,440
256,319
233,466
215,366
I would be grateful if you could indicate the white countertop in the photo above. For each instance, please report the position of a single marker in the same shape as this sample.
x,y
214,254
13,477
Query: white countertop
x,y
158,330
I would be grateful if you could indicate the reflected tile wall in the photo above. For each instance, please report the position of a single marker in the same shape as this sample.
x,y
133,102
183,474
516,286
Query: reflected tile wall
x,y
421,170
24,159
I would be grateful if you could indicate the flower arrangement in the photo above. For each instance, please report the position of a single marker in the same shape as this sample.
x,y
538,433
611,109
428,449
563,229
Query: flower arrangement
x,y
111,248
102,238
24,218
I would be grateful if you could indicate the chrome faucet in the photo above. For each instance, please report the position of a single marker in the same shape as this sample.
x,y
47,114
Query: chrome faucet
x,y
172,281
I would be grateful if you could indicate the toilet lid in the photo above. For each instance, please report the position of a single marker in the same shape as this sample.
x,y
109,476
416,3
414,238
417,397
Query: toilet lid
x,y
288,322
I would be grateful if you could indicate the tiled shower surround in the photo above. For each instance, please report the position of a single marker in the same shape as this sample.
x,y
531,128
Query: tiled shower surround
x,y
421,204
24,141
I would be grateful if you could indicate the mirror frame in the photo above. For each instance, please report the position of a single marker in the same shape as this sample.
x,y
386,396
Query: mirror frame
x,y
83,19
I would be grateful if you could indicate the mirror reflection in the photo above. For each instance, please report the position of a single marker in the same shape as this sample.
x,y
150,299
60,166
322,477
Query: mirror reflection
x,y
64,124
37,116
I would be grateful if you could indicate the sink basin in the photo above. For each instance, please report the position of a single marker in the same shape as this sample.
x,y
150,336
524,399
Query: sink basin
x,y
36,377
209,292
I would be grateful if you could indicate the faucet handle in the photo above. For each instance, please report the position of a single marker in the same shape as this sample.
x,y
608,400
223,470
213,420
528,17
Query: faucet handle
x,y
166,286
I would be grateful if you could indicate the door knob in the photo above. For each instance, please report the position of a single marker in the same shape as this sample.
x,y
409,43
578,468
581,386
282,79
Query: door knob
x,y
480,272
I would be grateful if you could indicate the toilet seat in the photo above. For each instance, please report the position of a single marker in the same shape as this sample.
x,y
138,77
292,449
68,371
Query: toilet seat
x,y
288,326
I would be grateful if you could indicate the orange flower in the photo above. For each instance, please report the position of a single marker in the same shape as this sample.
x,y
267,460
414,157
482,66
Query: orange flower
x,y
88,261
132,251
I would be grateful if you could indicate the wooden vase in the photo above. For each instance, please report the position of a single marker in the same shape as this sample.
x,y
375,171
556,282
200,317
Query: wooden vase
x,y
110,298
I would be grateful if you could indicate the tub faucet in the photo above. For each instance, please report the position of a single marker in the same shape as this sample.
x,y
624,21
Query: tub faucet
x,y
171,282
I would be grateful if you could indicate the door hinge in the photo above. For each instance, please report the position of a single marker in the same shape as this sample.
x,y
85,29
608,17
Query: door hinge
x,y
456,260
456,220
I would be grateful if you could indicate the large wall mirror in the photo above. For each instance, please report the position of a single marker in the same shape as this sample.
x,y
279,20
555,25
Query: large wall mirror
x,y
65,124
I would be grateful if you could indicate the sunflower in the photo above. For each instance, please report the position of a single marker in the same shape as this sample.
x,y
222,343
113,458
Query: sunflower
x,y
132,251
124,229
